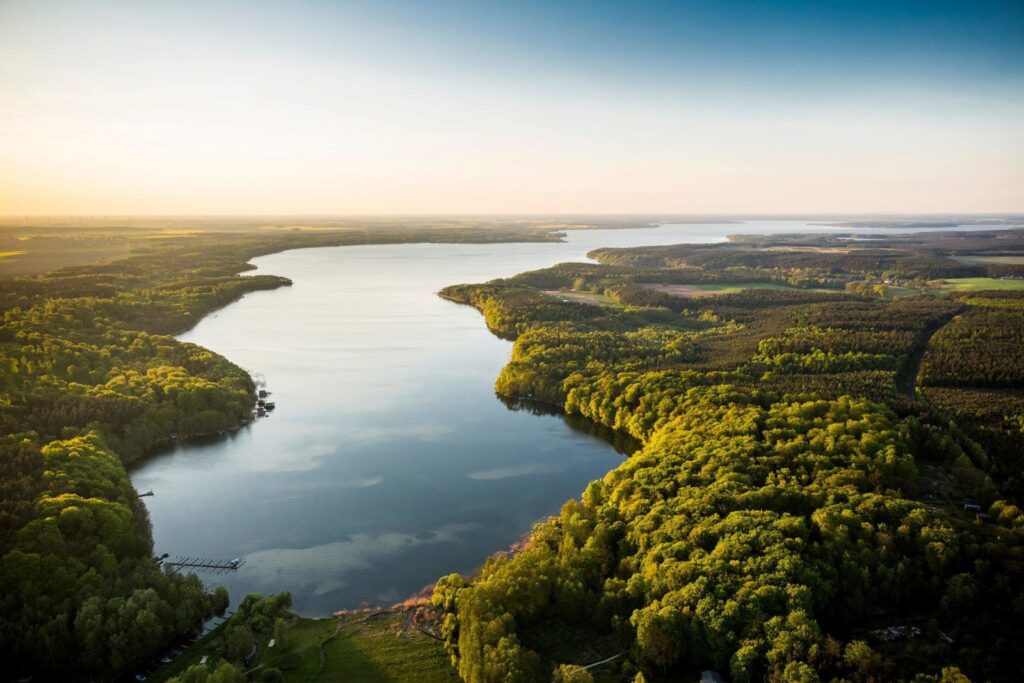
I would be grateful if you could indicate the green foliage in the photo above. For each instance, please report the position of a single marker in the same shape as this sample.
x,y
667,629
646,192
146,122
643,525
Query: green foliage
x,y
86,387
83,560
223,672
571,673
775,509
734,540
88,382
980,348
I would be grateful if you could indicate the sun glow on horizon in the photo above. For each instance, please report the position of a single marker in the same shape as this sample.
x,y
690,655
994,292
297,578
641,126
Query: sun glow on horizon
x,y
316,109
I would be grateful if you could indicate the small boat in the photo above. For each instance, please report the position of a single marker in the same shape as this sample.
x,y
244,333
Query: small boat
x,y
269,405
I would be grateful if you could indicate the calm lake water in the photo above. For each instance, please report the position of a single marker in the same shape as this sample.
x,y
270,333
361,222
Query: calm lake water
x,y
389,460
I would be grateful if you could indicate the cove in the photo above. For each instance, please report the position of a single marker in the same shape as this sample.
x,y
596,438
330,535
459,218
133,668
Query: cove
x,y
388,461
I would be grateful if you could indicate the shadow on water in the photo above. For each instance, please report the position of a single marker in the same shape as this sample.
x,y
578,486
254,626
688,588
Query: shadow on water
x,y
169,447
624,444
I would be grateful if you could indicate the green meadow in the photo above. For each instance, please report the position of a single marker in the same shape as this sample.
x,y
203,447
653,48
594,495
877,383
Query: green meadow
x,y
376,649
976,284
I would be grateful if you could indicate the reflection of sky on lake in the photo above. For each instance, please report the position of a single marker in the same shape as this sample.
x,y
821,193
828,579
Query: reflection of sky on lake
x,y
389,461
319,570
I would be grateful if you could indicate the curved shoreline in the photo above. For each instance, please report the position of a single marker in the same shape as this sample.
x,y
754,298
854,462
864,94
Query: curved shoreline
x,y
173,539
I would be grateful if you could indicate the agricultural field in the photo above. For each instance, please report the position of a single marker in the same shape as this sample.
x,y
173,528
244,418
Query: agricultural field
x,y
1011,259
979,284
33,255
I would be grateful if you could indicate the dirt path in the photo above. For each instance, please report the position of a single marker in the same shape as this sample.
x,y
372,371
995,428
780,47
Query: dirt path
x,y
342,624
906,379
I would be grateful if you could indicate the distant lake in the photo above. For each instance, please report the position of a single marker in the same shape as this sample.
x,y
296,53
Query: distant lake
x,y
389,461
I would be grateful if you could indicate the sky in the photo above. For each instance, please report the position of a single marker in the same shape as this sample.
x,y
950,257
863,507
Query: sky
x,y
304,107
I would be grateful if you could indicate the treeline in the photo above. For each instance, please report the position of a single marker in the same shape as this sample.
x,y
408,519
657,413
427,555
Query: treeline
x,y
598,277
785,506
87,384
974,370
82,595
981,347
763,541
828,258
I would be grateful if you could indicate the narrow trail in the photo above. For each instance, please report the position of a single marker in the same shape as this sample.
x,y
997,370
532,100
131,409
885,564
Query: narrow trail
x,y
906,379
337,629
603,661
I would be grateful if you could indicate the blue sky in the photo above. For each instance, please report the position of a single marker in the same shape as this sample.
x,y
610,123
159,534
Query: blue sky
x,y
937,40
380,107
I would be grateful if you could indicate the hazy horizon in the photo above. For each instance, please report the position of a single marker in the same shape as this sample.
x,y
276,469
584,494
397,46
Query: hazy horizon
x,y
457,108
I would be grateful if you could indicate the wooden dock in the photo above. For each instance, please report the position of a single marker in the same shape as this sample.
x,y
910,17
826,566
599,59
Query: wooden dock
x,y
205,564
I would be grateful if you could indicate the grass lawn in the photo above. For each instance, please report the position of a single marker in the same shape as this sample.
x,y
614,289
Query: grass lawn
x,y
379,649
968,284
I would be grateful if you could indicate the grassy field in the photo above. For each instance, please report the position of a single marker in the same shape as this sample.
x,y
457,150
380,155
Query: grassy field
x,y
32,255
383,648
712,288
969,284
378,649
1012,260
732,288
581,297
895,292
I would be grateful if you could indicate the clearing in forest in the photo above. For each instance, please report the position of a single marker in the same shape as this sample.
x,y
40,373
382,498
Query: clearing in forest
x,y
712,289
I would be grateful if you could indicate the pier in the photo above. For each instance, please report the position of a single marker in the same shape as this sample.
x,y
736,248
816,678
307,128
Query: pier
x,y
205,564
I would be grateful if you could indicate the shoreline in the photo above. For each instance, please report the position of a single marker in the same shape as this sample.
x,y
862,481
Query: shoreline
x,y
168,445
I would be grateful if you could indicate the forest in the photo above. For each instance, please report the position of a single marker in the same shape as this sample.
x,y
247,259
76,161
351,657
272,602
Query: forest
x,y
829,482
90,380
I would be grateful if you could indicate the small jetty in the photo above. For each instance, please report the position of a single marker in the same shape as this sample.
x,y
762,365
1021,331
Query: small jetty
x,y
147,493
205,564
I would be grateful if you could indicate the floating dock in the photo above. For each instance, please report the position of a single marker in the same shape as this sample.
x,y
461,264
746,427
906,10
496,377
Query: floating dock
x,y
205,564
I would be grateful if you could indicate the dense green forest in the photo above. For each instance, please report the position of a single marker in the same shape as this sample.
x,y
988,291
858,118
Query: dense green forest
x,y
796,510
89,381
802,508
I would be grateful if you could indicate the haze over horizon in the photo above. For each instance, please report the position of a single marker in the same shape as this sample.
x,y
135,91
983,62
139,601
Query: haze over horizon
x,y
190,108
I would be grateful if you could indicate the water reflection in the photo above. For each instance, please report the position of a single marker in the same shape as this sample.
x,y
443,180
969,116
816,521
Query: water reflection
x,y
387,462
623,443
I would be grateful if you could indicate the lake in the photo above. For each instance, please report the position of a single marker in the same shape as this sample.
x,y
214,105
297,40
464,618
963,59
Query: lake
x,y
389,461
